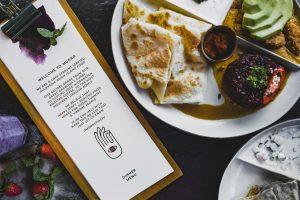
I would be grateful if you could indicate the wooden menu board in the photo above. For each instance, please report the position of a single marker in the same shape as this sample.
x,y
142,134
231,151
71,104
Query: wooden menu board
x,y
53,141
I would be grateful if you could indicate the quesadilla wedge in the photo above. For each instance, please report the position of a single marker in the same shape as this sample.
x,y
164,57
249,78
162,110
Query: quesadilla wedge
x,y
190,29
188,82
184,80
150,52
133,10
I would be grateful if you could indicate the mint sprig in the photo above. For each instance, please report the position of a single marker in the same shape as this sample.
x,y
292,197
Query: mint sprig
x,y
56,171
5,175
52,35
38,175
8,171
28,162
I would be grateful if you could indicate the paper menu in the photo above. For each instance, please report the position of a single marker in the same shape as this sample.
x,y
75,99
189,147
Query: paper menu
x,y
87,114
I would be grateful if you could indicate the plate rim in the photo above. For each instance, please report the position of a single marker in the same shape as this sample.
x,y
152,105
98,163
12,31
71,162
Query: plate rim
x,y
249,142
216,136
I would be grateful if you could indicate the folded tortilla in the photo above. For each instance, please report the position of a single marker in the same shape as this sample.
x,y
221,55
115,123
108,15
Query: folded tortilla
x,y
184,80
188,82
190,29
150,52
133,10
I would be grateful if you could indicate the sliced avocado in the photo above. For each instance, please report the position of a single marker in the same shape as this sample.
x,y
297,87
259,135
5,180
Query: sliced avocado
x,y
254,17
252,20
251,6
269,32
269,19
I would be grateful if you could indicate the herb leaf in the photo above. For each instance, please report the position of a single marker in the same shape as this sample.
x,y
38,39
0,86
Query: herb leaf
x,y
56,171
9,170
45,33
38,175
56,32
52,35
28,162
258,79
62,30
53,41
51,189
1,181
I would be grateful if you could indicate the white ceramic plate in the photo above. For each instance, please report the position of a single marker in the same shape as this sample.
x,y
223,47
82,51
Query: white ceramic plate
x,y
240,176
207,128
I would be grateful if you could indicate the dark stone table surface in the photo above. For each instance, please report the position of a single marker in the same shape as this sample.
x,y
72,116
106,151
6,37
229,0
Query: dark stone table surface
x,y
202,160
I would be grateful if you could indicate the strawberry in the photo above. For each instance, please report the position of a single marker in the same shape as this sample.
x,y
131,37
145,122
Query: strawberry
x,y
39,190
47,152
11,189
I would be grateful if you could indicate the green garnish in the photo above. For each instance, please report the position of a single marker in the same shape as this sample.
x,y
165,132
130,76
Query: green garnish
x,y
199,1
52,35
258,79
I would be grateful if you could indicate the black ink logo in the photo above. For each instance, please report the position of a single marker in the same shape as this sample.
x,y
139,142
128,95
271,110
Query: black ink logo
x,y
108,143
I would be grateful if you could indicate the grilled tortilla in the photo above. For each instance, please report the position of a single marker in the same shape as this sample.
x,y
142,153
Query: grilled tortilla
x,y
133,10
188,82
190,29
149,50
167,60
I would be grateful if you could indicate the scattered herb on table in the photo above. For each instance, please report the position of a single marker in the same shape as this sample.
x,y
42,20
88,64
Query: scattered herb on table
x,y
258,78
42,187
7,187
52,35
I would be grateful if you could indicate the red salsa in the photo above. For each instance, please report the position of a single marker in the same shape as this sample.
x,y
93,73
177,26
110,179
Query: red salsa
x,y
217,44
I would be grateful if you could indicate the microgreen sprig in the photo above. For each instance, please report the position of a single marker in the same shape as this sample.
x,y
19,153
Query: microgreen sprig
x,y
258,78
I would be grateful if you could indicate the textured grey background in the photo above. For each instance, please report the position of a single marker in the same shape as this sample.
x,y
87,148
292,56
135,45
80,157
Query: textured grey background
x,y
202,160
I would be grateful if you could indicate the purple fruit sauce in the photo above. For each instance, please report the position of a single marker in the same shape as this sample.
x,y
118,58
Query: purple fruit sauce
x,y
32,43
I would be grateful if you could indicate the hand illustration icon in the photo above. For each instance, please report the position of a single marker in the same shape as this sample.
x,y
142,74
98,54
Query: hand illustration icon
x,y
108,143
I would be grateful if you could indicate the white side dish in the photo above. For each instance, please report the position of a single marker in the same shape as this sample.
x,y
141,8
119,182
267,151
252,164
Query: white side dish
x,y
213,11
241,175
278,151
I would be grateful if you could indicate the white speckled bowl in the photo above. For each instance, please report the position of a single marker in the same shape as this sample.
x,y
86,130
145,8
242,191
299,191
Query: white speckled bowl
x,y
240,176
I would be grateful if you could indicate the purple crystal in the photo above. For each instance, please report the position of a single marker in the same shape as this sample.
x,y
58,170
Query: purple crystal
x,y
12,134
32,43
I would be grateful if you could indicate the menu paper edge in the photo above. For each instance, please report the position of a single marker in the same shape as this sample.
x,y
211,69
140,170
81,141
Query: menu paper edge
x,y
53,141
